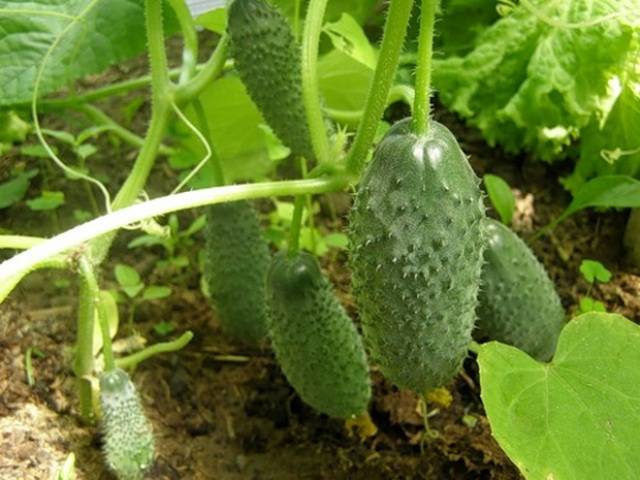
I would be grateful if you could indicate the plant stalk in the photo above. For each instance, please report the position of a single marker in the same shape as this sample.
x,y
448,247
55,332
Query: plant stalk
x,y
83,361
190,38
310,88
392,41
296,225
422,102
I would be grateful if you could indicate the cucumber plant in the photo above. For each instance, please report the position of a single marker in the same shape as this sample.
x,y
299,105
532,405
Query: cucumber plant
x,y
417,227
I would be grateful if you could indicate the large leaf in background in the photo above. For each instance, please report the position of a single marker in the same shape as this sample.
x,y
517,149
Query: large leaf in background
x,y
344,82
459,24
109,32
531,85
577,417
612,146
239,141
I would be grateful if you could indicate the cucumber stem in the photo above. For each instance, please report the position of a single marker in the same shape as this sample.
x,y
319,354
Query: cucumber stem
x,y
163,347
395,30
310,88
209,72
22,262
19,242
422,102
190,39
97,306
296,225
83,360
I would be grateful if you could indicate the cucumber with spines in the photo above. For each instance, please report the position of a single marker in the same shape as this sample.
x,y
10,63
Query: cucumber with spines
x,y
128,438
315,341
518,303
416,255
268,60
237,260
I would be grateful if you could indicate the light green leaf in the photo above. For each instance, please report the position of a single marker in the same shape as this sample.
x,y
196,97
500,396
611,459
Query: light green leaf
x,y
344,82
46,201
501,196
155,292
348,37
608,191
113,319
14,190
588,304
110,32
531,85
164,328
85,150
337,240
276,150
593,270
577,417
213,20
197,225
126,276
12,128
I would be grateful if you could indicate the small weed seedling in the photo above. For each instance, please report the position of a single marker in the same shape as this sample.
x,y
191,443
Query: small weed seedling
x,y
592,271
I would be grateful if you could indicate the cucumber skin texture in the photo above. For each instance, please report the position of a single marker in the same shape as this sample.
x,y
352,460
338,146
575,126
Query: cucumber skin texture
x,y
128,438
316,343
518,303
268,60
416,255
237,260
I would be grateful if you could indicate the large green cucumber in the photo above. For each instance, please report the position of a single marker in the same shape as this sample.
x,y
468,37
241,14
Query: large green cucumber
x,y
518,303
416,255
267,57
236,264
316,343
128,438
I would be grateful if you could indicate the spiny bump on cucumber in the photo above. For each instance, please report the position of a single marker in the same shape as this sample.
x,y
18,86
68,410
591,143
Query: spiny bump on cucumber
x,y
268,59
128,438
416,255
237,260
518,303
315,341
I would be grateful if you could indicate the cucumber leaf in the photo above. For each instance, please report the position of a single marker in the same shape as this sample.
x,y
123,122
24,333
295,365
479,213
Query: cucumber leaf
x,y
534,79
577,417
92,36
501,196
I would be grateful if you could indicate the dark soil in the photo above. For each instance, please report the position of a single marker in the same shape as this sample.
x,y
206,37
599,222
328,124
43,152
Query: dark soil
x,y
224,411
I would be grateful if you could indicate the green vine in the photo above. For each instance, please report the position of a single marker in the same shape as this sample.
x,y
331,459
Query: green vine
x,y
422,105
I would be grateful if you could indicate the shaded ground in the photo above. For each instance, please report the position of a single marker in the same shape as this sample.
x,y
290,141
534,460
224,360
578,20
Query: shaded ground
x,y
222,411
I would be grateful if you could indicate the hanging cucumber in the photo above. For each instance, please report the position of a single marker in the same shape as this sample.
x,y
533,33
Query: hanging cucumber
x,y
518,303
128,439
236,264
267,57
316,343
416,255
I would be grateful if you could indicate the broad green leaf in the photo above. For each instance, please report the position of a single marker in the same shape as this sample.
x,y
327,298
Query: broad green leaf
x,y
126,276
348,37
113,319
213,20
608,191
460,23
344,82
234,121
531,83
575,418
501,197
96,35
593,270
14,190
46,201
155,292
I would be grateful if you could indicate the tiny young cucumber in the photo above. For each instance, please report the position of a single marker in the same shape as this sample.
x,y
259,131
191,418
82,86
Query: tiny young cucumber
x,y
416,255
268,60
518,303
315,341
128,438
236,263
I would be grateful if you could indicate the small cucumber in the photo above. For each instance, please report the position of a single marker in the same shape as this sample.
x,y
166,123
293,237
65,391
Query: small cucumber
x,y
518,303
416,255
128,438
268,60
236,264
316,343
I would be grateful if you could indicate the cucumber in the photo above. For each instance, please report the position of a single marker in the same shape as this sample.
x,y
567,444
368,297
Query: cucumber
x,y
236,263
128,438
316,343
518,303
416,255
268,60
